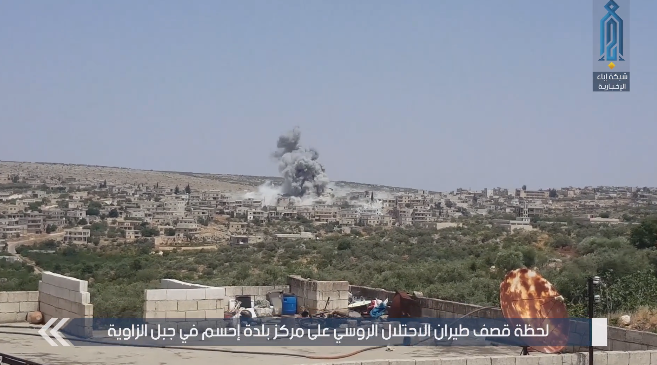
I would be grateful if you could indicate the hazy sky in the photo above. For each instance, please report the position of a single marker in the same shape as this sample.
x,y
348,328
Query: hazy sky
x,y
430,94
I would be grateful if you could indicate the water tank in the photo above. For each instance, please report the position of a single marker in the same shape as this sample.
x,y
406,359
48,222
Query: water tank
x,y
289,304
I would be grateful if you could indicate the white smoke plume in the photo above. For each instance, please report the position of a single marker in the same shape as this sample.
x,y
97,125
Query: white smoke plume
x,y
302,173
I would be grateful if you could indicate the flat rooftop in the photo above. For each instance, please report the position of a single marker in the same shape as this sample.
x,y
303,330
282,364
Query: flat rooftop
x,y
34,348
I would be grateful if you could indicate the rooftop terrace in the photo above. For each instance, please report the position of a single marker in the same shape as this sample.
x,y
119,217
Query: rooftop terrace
x,y
60,297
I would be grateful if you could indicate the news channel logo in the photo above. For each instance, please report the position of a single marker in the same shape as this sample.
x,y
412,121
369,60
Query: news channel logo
x,y
611,35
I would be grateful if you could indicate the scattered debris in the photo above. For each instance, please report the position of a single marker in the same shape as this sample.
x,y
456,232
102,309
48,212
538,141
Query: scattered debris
x,y
624,320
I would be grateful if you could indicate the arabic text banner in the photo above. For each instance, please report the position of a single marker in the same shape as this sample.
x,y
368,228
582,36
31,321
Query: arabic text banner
x,y
331,332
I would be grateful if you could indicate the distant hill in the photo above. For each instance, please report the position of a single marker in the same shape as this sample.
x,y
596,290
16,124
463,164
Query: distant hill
x,y
244,180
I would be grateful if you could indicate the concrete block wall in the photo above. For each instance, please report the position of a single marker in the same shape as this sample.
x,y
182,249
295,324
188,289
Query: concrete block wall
x,y
66,297
316,295
599,358
15,305
431,308
619,339
256,292
177,284
230,292
184,305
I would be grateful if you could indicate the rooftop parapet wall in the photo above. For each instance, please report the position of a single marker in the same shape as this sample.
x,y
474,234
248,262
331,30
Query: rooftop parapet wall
x,y
65,297
182,304
316,295
581,358
619,339
230,292
177,284
15,305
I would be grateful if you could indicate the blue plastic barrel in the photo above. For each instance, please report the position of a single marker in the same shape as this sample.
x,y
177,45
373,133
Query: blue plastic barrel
x,y
289,304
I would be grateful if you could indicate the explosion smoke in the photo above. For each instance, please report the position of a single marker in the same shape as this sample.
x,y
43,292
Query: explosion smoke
x,y
301,171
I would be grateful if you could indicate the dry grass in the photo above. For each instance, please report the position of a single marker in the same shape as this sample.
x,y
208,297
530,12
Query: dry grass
x,y
643,319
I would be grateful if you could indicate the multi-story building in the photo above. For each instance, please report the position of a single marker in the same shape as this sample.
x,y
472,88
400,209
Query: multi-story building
x,y
531,194
326,214
187,230
34,222
77,235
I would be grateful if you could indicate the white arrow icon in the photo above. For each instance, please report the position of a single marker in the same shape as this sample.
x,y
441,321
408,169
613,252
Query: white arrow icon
x,y
54,332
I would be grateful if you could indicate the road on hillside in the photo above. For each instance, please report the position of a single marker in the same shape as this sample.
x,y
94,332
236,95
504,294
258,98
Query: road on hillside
x,y
11,248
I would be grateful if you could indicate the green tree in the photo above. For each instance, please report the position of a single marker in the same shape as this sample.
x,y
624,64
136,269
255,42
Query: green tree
x,y
509,260
93,211
176,190
344,244
149,232
170,232
113,213
188,189
604,215
645,234
82,222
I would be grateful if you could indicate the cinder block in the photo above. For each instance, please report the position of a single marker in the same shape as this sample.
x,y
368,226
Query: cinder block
x,y
653,357
478,360
549,360
166,305
503,360
617,358
195,294
82,310
81,297
46,309
569,359
174,314
232,291
424,362
207,304
217,314
649,339
17,296
636,347
149,306
65,281
3,296
187,305
639,357
155,314
454,361
619,346
215,293
386,362
176,294
155,294
29,306
9,307
32,296
45,288
195,314
402,362
8,317
249,290
633,336
526,360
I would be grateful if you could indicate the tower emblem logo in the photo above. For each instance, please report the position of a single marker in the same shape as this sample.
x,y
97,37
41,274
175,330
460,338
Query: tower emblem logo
x,y
611,34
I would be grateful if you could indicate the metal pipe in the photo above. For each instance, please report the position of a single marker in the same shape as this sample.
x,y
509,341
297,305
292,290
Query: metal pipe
x,y
591,301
